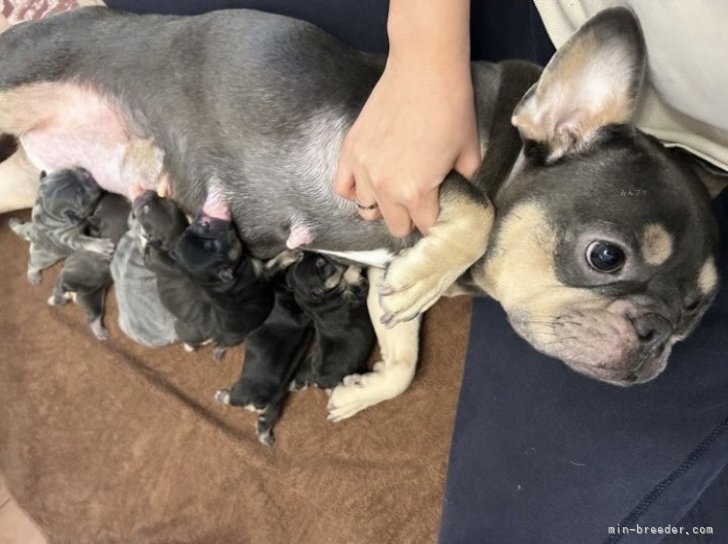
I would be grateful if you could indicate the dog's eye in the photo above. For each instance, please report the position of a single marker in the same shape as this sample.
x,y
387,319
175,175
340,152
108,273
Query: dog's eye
x,y
605,256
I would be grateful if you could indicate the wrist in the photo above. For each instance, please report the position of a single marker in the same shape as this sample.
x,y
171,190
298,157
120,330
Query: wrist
x,y
430,35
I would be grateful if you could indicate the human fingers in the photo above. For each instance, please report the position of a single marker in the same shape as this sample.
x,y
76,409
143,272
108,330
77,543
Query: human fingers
x,y
425,211
366,198
396,217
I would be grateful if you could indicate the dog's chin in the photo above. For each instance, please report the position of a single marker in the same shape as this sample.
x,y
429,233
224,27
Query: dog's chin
x,y
645,371
608,351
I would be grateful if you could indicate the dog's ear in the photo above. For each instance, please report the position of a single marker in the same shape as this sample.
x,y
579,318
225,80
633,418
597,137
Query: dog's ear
x,y
593,80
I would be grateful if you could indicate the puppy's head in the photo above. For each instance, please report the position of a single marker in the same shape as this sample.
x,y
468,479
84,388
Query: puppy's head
x,y
69,195
210,250
161,219
110,217
603,253
317,279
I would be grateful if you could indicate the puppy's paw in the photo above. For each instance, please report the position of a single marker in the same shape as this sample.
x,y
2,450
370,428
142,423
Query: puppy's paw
x,y
103,246
218,353
264,432
53,300
99,330
412,284
222,396
188,347
15,224
34,277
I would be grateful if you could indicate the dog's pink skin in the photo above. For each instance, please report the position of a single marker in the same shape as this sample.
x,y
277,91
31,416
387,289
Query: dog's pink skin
x,y
75,126
300,235
214,207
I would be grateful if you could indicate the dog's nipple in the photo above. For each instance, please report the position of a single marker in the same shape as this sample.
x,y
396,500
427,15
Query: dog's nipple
x,y
300,235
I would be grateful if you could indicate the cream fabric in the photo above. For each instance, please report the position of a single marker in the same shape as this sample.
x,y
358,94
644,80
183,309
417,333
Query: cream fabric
x,y
685,100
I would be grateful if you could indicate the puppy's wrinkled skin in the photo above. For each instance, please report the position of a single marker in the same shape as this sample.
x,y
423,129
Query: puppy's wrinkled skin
x,y
59,220
259,126
86,276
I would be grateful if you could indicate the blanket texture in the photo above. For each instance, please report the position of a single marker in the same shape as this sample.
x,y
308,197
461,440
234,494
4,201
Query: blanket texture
x,y
114,442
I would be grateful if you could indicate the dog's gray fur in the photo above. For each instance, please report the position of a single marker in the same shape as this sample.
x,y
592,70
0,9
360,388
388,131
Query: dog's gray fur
x,y
142,316
251,108
59,221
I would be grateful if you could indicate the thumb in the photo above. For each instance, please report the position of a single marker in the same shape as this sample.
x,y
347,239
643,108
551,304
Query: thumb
x,y
344,181
469,160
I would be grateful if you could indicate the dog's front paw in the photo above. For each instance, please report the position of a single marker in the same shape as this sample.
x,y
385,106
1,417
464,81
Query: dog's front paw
x,y
412,284
103,246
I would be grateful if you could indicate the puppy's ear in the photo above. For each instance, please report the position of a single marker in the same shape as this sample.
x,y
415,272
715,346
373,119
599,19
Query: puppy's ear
x,y
593,80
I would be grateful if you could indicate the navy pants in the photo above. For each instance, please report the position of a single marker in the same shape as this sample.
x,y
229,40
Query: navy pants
x,y
540,454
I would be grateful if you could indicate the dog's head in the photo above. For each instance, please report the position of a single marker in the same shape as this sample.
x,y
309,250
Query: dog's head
x,y
317,279
110,217
210,250
161,219
69,195
603,252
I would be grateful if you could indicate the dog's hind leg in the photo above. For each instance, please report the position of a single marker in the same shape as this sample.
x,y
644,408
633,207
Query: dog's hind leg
x,y
92,303
392,375
19,181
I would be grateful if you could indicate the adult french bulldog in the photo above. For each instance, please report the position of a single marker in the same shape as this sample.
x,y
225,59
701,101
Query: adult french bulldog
x,y
602,253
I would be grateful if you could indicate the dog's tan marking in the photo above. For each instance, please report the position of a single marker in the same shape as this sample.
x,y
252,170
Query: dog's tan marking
x,y
420,275
520,272
143,164
19,182
392,375
708,277
656,245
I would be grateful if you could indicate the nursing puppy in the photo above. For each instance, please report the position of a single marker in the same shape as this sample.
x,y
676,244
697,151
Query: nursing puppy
x,y
86,276
335,298
216,292
273,354
603,249
66,199
142,316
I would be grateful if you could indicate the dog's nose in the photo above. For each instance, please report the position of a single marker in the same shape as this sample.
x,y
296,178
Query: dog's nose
x,y
653,330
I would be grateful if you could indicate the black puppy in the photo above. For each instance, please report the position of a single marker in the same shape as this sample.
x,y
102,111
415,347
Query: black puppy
x,y
335,297
66,199
273,354
86,276
216,292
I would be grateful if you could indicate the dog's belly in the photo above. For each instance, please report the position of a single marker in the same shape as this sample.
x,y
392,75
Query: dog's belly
x,y
72,126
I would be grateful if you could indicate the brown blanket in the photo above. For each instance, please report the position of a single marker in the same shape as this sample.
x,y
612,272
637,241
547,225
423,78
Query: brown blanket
x,y
113,442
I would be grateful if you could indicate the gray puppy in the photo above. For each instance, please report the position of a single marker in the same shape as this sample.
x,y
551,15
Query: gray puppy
x,y
142,316
66,199
86,276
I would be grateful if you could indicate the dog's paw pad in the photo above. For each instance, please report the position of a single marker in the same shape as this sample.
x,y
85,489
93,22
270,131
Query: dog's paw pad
x,y
188,348
222,396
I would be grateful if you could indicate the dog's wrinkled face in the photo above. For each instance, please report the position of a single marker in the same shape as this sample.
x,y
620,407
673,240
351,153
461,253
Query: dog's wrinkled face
x,y
210,250
69,195
161,220
603,253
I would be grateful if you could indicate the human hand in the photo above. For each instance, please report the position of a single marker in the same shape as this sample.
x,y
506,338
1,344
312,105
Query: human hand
x,y
417,125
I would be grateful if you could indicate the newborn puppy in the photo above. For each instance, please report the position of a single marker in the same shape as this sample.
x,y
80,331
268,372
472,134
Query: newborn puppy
x,y
142,316
86,276
59,219
273,353
335,296
216,292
